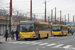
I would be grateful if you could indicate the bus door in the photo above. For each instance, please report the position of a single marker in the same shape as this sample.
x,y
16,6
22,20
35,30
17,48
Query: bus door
x,y
37,29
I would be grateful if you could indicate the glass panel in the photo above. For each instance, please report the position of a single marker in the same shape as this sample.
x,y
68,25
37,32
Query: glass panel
x,y
56,28
27,28
41,27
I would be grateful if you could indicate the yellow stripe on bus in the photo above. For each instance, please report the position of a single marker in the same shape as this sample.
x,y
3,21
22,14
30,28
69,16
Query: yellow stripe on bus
x,y
43,23
24,21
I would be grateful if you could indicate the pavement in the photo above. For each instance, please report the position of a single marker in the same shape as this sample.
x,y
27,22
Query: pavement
x,y
52,43
1,37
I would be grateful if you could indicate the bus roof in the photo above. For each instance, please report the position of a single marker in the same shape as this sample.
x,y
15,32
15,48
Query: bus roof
x,y
60,25
36,22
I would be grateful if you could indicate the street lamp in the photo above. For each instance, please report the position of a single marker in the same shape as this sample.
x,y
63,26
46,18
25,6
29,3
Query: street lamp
x,y
55,15
73,18
52,15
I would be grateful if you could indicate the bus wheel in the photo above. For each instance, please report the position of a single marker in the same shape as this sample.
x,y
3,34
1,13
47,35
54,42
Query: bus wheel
x,y
66,34
25,39
46,37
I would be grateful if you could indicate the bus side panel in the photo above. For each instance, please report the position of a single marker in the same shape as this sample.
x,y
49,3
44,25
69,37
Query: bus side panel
x,y
65,32
44,33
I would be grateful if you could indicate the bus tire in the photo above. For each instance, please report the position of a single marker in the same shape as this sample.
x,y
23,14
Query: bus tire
x,y
66,34
25,39
46,37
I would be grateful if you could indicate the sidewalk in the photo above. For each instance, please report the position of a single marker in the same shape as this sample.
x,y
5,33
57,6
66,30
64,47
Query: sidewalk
x,y
9,39
1,37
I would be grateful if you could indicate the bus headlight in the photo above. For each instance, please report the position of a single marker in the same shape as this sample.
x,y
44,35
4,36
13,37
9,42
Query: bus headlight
x,y
32,34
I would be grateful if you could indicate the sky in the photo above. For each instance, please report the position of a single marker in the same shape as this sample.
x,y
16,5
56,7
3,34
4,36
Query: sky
x,y
38,7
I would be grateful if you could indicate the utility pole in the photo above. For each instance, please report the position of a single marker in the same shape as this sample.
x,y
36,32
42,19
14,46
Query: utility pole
x,y
48,19
45,10
34,16
55,15
18,16
68,17
10,16
65,19
51,16
73,18
17,13
60,16
31,9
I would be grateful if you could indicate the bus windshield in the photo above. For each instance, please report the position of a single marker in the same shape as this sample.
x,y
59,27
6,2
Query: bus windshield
x,y
56,28
26,27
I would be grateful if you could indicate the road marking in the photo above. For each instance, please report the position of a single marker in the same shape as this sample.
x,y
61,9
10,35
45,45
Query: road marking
x,y
13,42
10,42
36,43
68,46
43,44
51,44
58,45
73,48
43,47
52,37
31,42
22,42
37,49
40,40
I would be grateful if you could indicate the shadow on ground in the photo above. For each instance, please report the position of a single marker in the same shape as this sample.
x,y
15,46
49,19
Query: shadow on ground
x,y
1,42
30,39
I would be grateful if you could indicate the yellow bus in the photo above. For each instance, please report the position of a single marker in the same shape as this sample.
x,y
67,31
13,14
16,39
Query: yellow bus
x,y
59,30
34,29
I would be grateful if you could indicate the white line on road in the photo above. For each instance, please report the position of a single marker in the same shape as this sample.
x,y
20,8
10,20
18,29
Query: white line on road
x,y
36,43
68,46
43,47
13,42
22,43
10,42
43,44
37,49
58,45
51,44
31,42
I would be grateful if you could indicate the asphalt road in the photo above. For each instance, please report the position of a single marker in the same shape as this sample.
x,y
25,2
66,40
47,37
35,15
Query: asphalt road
x,y
52,43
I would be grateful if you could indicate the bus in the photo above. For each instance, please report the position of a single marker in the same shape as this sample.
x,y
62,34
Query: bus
x,y
59,30
34,29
